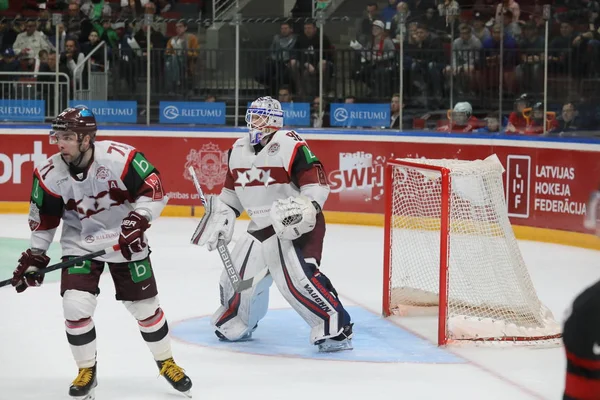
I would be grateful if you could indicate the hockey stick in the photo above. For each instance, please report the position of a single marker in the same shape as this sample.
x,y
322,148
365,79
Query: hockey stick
x,y
238,284
71,262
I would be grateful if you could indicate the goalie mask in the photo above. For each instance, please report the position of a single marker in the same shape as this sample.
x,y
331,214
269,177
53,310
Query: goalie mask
x,y
461,113
264,116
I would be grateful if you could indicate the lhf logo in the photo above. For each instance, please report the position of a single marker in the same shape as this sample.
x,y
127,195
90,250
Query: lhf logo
x,y
518,177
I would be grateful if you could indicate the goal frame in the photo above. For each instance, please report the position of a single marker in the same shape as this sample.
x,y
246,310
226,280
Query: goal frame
x,y
444,241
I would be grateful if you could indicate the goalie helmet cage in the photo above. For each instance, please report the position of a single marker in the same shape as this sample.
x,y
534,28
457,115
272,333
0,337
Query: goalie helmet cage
x,y
449,249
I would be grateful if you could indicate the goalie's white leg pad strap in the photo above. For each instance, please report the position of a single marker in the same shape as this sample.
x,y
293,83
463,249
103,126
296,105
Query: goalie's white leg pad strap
x,y
240,312
295,279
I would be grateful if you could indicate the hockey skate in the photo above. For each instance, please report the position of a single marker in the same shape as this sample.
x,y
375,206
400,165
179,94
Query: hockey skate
x,y
174,374
343,341
83,386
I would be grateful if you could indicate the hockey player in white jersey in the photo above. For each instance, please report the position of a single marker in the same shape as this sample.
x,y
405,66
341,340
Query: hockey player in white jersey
x,y
281,184
104,192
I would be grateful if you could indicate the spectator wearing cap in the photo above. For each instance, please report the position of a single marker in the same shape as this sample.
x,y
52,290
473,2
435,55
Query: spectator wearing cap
x,y
531,51
30,42
9,63
480,31
376,61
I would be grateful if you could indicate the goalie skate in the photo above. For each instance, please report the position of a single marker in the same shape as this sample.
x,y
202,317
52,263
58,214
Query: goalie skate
x,y
175,375
341,342
245,337
83,387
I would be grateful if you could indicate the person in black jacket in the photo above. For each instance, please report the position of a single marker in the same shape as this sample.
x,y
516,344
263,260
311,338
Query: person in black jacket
x,y
304,61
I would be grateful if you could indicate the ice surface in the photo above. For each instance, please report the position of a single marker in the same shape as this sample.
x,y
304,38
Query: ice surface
x,y
394,358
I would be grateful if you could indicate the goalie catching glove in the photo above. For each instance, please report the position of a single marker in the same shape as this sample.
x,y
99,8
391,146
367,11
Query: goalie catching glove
x,y
218,222
294,216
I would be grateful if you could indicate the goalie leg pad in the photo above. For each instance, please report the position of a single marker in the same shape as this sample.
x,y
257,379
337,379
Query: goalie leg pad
x,y
306,289
239,313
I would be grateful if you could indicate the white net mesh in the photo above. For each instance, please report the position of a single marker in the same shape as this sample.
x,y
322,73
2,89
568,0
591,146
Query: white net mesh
x,y
490,294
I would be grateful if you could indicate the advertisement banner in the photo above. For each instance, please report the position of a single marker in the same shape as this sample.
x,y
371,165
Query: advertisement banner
x,y
200,113
544,187
367,115
110,111
22,110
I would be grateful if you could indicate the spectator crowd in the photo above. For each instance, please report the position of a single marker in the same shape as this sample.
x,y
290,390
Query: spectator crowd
x,y
465,65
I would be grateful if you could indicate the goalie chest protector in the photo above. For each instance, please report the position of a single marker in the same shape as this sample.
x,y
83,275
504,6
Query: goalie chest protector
x,y
260,179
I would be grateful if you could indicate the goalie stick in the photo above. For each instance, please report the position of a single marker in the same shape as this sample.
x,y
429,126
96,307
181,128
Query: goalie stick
x,y
238,284
71,262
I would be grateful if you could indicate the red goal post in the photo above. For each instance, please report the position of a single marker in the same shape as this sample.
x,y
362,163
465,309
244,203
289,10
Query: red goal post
x,y
449,250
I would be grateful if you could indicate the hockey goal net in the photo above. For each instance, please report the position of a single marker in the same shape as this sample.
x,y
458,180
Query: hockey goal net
x,y
450,250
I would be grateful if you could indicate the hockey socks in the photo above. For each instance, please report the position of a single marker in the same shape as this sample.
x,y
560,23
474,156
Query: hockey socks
x,y
155,332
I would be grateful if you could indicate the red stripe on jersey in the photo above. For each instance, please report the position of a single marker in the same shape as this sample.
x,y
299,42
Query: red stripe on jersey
x,y
582,388
51,193
582,362
313,175
264,176
296,147
229,181
128,163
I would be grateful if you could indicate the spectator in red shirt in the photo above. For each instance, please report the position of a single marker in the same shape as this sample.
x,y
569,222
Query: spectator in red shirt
x,y
516,120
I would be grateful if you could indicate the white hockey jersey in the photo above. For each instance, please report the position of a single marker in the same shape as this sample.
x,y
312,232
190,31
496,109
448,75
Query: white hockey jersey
x,y
258,176
92,205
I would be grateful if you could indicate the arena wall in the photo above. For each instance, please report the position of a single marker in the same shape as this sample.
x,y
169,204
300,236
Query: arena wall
x,y
547,180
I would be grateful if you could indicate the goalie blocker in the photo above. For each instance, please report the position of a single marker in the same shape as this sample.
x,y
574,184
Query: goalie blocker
x,y
281,184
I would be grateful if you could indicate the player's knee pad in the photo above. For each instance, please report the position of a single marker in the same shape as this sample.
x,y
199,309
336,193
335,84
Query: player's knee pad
x,y
78,305
142,309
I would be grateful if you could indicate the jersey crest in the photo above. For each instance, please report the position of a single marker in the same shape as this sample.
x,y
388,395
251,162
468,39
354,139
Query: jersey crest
x,y
210,164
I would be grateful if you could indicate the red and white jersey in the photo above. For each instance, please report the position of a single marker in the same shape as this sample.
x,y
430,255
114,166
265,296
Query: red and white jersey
x,y
93,203
259,175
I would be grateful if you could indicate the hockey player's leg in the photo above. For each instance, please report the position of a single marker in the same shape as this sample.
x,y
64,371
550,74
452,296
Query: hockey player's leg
x,y
79,287
294,267
581,336
136,288
239,313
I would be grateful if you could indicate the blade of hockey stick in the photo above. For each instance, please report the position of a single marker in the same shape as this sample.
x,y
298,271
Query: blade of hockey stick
x,y
71,262
238,284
